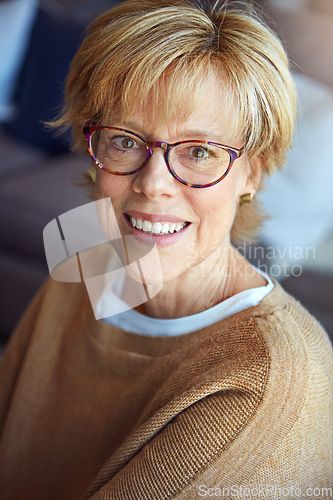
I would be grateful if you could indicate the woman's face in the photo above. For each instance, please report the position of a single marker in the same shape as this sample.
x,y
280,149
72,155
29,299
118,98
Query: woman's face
x,y
155,196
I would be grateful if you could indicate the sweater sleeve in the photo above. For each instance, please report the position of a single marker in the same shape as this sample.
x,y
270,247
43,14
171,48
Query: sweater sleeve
x,y
174,463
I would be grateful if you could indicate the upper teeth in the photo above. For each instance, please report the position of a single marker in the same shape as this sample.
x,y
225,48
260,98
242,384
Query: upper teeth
x,y
157,227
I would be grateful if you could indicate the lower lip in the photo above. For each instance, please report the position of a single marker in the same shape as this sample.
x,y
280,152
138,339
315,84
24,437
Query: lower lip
x,y
162,240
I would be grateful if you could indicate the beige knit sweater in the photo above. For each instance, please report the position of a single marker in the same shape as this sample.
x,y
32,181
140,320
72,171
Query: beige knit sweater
x,y
240,409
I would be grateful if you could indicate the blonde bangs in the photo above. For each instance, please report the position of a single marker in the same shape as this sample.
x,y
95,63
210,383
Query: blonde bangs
x,y
174,95
164,59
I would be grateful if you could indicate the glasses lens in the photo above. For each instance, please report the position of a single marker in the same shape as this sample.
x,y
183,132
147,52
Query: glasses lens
x,y
118,151
198,163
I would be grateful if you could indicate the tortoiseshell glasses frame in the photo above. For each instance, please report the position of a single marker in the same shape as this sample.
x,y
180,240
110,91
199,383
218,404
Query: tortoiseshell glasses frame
x,y
234,153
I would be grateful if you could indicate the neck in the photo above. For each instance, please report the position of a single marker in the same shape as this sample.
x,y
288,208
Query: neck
x,y
203,286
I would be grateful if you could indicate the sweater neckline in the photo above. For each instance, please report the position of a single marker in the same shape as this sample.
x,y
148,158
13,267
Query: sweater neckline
x,y
135,322
104,334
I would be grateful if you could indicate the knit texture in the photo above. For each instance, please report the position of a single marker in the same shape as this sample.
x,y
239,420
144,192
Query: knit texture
x,y
90,411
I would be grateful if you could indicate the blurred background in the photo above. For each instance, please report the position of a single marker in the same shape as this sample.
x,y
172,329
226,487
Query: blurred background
x,y
39,177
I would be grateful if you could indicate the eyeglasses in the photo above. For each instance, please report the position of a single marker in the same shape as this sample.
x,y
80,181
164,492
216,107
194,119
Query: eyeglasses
x,y
197,164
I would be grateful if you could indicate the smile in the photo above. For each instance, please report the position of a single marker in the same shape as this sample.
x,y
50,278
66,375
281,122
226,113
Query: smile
x,y
157,228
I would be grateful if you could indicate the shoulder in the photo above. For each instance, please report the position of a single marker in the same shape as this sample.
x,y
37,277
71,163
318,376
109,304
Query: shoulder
x,y
290,331
300,357
281,319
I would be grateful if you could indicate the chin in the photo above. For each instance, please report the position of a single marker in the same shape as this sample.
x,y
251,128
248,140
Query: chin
x,y
154,270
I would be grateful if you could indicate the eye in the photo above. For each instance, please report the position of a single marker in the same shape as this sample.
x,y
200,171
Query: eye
x,y
199,152
124,142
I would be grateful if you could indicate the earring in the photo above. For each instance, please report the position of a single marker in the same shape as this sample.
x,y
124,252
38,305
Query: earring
x,y
91,173
245,199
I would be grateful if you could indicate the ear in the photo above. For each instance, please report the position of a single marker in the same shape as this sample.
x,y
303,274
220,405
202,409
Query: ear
x,y
254,175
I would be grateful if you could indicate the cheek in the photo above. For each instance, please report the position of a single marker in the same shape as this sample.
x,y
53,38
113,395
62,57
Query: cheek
x,y
216,216
219,203
108,185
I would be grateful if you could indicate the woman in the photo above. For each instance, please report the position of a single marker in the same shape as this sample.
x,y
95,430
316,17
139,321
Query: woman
x,y
220,384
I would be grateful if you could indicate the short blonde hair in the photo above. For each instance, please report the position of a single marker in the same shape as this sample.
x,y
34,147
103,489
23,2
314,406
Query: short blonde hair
x,y
134,46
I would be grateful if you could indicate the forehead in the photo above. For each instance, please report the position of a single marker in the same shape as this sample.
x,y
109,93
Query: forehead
x,y
205,107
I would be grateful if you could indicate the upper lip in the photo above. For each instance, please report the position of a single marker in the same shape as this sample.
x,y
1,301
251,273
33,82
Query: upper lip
x,y
154,217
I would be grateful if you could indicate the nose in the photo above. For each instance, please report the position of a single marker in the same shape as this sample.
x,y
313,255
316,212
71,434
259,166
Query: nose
x,y
154,179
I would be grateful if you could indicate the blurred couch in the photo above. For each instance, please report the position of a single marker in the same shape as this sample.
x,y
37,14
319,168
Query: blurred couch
x,y
40,179
35,188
